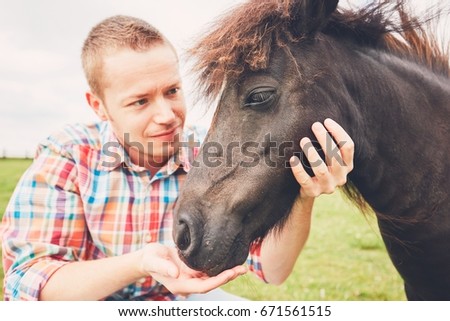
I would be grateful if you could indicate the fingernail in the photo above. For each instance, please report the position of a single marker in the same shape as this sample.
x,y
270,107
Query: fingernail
x,y
304,141
329,120
294,161
316,126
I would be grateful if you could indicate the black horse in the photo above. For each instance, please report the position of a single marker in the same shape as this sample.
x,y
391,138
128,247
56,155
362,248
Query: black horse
x,y
279,67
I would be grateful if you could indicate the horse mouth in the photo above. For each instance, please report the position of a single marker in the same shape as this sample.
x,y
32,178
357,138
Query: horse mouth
x,y
212,265
229,262
210,271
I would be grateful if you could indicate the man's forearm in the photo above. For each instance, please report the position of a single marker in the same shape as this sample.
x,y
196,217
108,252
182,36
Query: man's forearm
x,y
280,250
93,280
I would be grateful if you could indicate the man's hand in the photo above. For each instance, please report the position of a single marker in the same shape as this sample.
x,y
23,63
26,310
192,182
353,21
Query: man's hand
x,y
334,172
165,266
280,250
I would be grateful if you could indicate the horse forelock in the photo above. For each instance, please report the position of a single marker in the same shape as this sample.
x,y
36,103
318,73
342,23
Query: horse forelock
x,y
243,39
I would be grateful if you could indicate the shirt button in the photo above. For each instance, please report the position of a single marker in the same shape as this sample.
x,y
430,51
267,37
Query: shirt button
x,y
148,238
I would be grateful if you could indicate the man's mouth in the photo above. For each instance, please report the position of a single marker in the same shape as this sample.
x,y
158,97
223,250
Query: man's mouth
x,y
167,135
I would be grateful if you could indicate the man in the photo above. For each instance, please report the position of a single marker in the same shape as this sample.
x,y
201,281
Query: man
x,y
91,218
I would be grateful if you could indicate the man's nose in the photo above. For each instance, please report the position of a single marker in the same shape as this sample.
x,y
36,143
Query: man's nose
x,y
164,112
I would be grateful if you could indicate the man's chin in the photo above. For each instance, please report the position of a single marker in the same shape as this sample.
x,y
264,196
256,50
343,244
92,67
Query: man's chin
x,y
160,158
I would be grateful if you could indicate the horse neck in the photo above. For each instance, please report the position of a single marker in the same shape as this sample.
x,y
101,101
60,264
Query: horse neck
x,y
402,137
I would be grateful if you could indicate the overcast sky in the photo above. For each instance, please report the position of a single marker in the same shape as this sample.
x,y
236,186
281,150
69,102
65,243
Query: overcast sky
x,y
41,81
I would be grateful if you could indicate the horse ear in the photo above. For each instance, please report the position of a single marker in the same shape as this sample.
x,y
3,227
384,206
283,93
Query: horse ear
x,y
310,16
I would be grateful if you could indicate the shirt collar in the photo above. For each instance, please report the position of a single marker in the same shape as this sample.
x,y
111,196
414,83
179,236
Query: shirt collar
x,y
113,155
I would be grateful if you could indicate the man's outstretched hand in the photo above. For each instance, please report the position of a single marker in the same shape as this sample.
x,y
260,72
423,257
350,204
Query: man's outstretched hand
x,y
164,265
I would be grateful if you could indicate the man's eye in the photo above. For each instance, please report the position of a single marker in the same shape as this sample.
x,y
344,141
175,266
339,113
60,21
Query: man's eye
x,y
140,102
173,91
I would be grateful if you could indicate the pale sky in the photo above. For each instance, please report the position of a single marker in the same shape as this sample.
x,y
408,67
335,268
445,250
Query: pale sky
x,y
42,85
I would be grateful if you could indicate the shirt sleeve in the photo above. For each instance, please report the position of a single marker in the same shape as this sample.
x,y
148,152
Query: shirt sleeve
x,y
43,227
254,259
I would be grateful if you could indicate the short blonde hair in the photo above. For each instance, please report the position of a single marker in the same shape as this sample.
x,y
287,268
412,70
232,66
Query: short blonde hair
x,y
112,34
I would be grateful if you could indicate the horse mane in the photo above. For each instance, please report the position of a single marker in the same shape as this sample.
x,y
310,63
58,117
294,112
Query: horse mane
x,y
245,36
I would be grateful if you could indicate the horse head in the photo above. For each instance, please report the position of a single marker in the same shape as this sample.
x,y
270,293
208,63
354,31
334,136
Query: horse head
x,y
244,185
280,66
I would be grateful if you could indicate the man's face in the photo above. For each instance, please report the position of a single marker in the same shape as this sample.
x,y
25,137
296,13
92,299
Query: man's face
x,y
144,102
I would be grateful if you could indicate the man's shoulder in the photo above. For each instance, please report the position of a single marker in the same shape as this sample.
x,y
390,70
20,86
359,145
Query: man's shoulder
x,y
75,136
78,134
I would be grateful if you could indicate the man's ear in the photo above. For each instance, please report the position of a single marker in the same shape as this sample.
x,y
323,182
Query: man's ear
x,y
97,105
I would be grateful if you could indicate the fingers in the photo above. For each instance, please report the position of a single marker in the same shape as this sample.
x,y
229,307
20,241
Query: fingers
x,y
184,285
300,174
339,160
346,144
322,182
166,267
211,283
196,285
240,270
317,164
326,143
337,167
308,185
161,260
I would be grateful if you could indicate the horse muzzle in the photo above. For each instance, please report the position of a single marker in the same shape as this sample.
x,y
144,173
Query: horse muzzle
x,y
209,250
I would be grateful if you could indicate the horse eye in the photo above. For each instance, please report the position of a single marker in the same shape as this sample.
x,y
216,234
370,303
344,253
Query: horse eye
x,y
260,96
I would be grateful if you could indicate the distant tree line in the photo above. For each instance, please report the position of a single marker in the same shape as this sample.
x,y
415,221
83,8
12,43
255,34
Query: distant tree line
x,y
4,155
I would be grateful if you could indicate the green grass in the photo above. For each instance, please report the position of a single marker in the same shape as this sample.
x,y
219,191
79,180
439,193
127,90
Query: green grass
x,y
344,258
10,172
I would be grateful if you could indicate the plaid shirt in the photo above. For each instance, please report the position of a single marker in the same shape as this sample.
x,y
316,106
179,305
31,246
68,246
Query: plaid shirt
x,y
77,202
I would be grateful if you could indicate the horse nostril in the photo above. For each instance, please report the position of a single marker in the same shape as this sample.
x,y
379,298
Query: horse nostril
x,y
188,235
184,236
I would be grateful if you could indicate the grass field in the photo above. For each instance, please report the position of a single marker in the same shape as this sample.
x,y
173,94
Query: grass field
x,y
344,258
